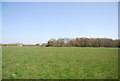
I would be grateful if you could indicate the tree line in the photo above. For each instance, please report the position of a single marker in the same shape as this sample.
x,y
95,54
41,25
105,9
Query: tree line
x,y
83,42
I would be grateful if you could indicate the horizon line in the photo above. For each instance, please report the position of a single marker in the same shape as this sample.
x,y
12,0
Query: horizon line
x,y
62,37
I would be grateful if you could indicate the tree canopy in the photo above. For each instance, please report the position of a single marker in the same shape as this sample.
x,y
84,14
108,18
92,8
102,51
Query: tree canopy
x,y
83,42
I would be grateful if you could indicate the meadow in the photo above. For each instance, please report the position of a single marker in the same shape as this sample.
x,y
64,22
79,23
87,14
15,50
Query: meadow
x,y
59,63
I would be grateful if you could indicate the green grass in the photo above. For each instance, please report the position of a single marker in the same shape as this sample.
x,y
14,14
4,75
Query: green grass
x,y
59,63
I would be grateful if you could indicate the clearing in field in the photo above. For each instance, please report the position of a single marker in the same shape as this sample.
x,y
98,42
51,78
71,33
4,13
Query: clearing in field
x,y
60,63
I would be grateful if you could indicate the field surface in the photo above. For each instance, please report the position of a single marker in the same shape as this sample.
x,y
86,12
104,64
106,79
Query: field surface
x,y
59,63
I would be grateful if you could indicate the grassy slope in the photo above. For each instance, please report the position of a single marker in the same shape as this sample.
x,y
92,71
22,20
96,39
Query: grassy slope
x,y
59,62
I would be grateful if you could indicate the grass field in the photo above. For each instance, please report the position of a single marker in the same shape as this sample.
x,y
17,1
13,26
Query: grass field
x,y
59,63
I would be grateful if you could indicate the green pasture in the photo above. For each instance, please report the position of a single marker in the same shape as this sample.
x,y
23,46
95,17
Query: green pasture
x,y
59,63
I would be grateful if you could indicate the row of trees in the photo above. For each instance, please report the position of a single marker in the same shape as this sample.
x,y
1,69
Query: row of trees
x,y
83,42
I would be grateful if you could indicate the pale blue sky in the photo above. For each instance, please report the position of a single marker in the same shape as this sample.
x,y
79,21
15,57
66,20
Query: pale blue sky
x,y
0,22
30,22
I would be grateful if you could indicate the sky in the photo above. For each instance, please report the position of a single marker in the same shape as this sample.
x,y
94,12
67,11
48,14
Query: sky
x,y
0,22
38,22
